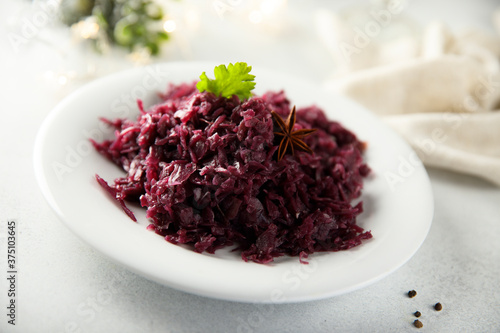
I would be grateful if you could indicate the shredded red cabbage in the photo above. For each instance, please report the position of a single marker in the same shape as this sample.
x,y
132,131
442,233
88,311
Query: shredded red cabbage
x,y
206,170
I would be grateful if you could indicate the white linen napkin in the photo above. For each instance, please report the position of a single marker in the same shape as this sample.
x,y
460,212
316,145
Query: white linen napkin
x,y
440,91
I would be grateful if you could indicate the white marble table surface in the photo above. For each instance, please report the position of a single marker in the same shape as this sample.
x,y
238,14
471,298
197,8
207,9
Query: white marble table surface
x,y
61,280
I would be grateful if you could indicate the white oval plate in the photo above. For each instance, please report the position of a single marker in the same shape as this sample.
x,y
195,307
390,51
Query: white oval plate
x,y
397,197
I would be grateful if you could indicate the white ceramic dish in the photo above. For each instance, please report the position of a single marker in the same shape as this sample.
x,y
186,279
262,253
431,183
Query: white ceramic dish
x,y
397,197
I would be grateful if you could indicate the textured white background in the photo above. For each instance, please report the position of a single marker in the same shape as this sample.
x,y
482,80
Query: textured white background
x,y
65,286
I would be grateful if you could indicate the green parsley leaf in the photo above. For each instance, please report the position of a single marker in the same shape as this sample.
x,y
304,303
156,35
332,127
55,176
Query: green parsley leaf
x,y
233,80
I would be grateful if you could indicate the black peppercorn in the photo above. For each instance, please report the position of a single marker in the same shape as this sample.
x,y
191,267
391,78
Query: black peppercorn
x,y
418,324
412,293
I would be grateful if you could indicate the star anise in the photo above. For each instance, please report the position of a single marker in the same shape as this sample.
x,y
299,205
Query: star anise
x,y
291,138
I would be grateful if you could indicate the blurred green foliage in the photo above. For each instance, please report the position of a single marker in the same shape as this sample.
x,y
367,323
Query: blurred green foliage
x,y
128,23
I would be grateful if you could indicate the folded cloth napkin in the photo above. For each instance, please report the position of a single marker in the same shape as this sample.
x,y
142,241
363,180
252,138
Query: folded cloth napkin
x,y
441,92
